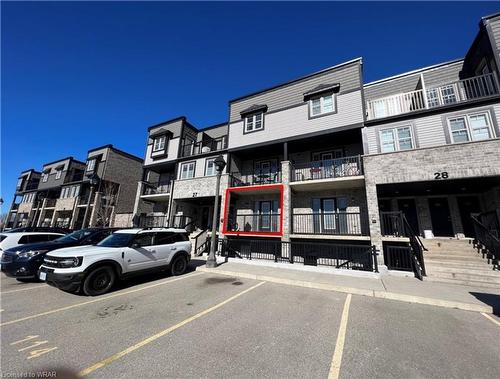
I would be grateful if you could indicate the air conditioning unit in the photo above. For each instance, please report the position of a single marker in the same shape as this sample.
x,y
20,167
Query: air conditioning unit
x,y
205,149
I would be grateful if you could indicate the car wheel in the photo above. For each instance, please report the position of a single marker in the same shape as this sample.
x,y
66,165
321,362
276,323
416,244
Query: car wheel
x,y
99,281
179,265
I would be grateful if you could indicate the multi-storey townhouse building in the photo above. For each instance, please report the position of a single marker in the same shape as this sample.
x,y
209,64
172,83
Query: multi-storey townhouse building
x,y
328,160
73,194
431,144
178,184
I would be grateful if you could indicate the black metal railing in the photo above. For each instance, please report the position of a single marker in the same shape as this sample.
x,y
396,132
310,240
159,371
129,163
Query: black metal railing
x,y
486,242
398,258
395,224
257,177
162,221
254,223
338,223
327,169
201,242
76,177
202,147
391,224
354,257
49,203
155,188
31,185
491,220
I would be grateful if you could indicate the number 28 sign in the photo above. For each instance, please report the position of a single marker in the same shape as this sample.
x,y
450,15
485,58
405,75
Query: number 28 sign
x,y
441,175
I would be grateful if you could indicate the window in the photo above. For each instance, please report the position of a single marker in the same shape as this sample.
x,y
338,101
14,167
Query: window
x,y
75,190
64,193
91,165
45,177
322,105
448,94
396,139
164,238
58,173
210,168
473,127
144,239
187,170
159,143
254,122
19,183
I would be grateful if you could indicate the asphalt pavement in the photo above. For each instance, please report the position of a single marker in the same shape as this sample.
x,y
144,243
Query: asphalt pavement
x,y
208,325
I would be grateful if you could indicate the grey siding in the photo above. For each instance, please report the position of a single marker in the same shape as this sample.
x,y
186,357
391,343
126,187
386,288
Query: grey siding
x,y
293,94
391,87
174,127
495,29
428,131
294,122
52,181
442,75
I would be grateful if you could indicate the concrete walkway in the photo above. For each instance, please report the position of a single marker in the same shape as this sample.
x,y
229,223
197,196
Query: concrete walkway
x,y
407,289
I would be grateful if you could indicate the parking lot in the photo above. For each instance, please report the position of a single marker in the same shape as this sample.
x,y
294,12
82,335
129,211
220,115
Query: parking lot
x,y
206,325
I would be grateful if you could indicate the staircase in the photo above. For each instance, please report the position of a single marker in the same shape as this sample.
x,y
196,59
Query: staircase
x,y
458,262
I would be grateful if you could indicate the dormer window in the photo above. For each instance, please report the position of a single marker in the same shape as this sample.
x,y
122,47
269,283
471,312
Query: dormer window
x,y
58,173
322,105
45,176
159,143
90,165
254,122
19,183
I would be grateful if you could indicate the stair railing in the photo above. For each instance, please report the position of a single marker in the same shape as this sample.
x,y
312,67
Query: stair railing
x,y
487,241
201,242
417,248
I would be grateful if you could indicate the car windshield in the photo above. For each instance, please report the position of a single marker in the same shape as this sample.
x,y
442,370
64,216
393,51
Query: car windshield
x,y
75,236
117,240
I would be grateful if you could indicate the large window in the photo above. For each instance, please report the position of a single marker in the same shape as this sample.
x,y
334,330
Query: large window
x,y
58,173
187,170
322,105
254,122
473,127
71,191
29,197
159,143
396,139
45,177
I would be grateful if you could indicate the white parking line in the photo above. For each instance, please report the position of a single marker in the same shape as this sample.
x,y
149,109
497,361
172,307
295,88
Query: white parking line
x,y
339,346
491,319
100,299
25,289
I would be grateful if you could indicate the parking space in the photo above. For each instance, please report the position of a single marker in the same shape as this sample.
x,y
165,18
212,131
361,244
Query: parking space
x,y
206,325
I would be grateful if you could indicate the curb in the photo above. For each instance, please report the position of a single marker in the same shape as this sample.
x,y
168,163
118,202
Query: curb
x,y
356,291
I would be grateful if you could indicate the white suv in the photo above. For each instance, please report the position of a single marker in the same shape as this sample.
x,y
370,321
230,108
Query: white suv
x,y
94,269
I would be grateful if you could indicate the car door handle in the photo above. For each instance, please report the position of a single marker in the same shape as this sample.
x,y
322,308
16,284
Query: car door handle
x,y
174,248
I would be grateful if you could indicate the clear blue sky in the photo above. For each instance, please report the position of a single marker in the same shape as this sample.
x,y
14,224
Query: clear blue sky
x,y
80,75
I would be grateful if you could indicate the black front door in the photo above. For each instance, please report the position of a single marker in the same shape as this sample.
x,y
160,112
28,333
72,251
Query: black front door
x,y
409,209
466,206
205,217
440,217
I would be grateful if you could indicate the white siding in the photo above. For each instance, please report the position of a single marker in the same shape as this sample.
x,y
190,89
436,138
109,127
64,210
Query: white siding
x,y
173,151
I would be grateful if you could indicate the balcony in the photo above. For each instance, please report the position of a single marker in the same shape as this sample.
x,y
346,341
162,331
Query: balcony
x,y
155,191
251,223
433,97
203,147
50,203
327,169
324,223
254,178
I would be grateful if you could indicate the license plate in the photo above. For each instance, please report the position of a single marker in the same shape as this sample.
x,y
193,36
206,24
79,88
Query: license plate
x,y
42,275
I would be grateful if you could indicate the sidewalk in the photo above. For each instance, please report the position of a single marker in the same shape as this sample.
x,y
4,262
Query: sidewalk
x,y
399,288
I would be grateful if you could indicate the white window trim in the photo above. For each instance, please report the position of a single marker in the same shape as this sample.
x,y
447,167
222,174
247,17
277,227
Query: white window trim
x,y
159,143
59,173
468,127
213,167
254,118
45,177
322,105
91,164
187,164
396,138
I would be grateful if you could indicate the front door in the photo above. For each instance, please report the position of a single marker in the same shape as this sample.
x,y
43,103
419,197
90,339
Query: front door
x,y
468,205
440,217
205,217
265,215
409,209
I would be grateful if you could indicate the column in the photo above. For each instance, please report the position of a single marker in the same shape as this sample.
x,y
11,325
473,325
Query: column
x,y
95,210
286,207
374,223
42,213
74,214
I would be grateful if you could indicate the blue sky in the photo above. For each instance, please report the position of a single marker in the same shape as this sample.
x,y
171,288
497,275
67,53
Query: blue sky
x,y
78,75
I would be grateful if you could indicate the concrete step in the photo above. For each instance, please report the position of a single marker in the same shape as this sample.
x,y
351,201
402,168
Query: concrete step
x,y
465,264
443,257
466,277
478,270
470,283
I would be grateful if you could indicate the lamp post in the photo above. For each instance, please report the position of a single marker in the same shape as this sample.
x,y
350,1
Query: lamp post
x,y
219,163
94,182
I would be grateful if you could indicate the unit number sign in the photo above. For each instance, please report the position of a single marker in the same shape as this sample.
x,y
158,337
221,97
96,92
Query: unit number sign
x,y
441,175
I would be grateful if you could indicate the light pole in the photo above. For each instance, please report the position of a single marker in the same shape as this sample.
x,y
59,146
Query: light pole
x,y
219,163
94,182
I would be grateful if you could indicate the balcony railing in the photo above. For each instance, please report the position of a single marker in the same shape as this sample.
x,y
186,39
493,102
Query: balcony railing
x,y
155,188
327,169
202,147
391,224
253,178
50,203
338,223
31,186
450,93
254,223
